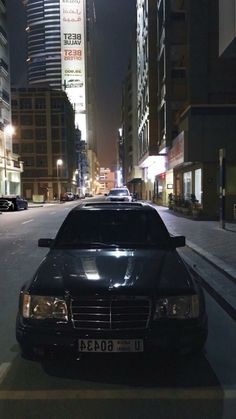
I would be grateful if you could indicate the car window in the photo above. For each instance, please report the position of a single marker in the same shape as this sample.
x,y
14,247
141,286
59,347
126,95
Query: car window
x,y
118,192
112,227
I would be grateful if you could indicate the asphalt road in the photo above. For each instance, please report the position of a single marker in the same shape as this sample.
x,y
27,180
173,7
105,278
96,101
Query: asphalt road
x,y
98,387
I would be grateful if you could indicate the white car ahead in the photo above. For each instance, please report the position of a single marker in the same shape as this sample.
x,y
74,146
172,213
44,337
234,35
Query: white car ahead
x,y
119,194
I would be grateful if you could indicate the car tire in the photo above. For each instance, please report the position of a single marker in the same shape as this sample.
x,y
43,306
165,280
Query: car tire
x,y
27,352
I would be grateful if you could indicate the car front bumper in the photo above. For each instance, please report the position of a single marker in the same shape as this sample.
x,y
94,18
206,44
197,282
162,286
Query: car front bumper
x,y
167,336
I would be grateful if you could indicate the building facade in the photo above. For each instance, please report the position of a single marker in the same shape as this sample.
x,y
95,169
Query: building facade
x,y
10,165
197,99
45,139
59,40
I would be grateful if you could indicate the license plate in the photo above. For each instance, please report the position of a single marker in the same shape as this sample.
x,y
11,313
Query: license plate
x,y
110,345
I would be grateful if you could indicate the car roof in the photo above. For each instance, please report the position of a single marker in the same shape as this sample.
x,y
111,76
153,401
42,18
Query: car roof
x,y
120,188
106,205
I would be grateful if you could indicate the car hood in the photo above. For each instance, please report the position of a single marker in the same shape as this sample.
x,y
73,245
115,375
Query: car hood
x,y
119,271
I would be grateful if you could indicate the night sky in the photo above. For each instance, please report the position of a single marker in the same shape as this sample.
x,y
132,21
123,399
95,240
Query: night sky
x,y
115,23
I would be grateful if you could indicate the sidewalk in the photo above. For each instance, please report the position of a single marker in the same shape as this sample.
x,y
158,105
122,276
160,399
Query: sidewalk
x,y
207,242
206,238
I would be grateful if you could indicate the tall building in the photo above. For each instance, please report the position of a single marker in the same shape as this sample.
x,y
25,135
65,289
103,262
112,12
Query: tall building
x,y
227,28
147,94
10,165
45,138
59,40
196,104
132,174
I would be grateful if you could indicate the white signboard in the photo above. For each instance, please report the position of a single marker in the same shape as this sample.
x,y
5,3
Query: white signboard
x,y
73,52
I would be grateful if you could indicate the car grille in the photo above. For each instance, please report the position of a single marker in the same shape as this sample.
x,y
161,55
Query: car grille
x,y
111,313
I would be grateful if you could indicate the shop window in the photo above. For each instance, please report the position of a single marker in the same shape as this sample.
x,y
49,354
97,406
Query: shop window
x,y
198,185
187,185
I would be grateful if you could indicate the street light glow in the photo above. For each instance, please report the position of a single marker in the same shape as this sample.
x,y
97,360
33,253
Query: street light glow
x,y
59,162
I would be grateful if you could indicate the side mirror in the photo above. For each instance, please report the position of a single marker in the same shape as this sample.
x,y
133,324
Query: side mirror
x,y
45,242
178,241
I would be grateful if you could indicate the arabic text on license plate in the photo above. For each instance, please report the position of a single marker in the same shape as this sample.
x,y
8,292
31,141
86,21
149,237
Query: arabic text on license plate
x,y
110,345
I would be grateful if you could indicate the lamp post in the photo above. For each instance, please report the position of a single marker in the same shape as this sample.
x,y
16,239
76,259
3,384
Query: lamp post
x,y
8,131
59,164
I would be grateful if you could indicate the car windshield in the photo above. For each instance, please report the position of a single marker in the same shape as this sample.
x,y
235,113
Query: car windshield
x,y
122,228
118,192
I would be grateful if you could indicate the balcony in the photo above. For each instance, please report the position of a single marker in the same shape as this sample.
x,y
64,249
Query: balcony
x,y
4,69
4,98
3,36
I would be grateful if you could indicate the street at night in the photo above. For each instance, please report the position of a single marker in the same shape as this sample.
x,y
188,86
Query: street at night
x,y
96,386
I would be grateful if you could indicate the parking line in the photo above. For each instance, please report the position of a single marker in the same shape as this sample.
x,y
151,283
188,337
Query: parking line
x,y
29,221
121,394
4,367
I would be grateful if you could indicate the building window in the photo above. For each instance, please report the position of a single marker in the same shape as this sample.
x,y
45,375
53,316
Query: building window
x,y
40,103
16,148
40,120
27,134
29,161
26,120
55,134
27,148
187,184
55,120
40,134
41,162
41,148
14,103
26,103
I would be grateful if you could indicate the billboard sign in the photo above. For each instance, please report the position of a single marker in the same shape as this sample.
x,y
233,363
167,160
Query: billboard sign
x,y
73,52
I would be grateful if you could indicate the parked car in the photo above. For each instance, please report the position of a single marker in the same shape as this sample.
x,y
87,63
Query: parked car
x,y
119,194
68,196
13,203
112,281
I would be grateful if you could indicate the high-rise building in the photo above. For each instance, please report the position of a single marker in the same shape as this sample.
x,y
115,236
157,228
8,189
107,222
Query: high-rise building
x,y
147,88
196,104
10,165
59,44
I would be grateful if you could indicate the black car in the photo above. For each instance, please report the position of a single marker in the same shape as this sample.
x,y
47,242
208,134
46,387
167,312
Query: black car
x,y
13,203
112,282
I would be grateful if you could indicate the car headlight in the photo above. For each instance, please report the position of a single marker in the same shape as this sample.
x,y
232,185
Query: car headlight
x,y
177,307
42,307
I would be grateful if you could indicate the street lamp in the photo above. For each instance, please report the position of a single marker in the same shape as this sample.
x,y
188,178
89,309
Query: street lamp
x,y
8,132
59,164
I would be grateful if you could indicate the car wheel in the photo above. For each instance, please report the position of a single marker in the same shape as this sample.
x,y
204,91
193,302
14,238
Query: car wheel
x,y
27,352
26,207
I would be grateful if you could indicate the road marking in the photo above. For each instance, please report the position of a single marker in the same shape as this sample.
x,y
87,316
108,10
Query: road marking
x,y
29,221
122,394
4,367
